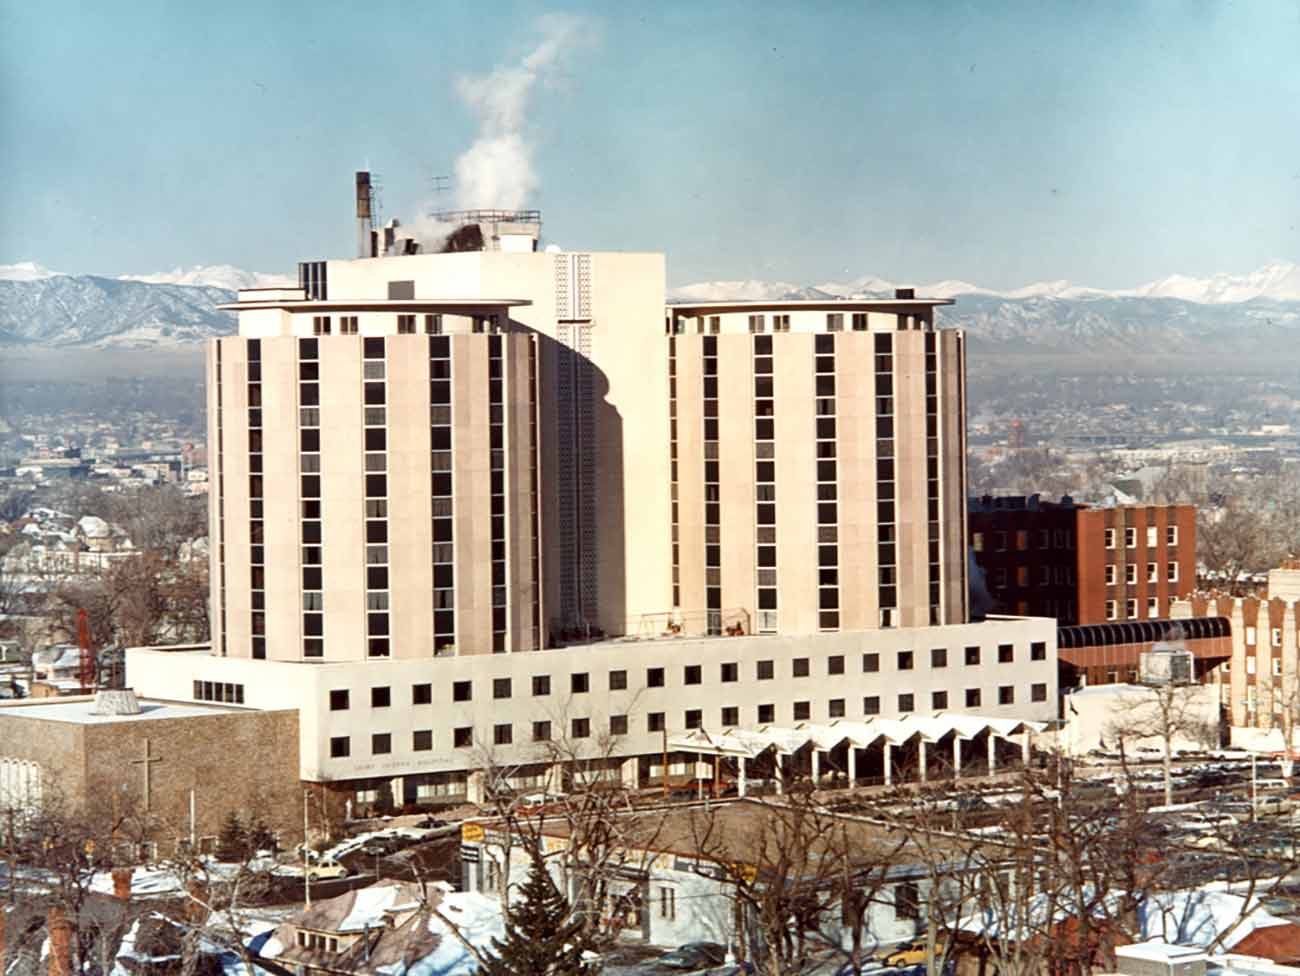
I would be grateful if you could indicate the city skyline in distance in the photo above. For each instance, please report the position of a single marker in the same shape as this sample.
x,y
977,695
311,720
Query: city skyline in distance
x,y
1001,146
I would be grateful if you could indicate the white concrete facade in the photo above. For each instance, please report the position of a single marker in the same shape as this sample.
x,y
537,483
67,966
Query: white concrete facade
x,y
727,669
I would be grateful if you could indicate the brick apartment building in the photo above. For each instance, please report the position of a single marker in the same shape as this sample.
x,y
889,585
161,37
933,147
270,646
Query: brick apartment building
x,y
1083,565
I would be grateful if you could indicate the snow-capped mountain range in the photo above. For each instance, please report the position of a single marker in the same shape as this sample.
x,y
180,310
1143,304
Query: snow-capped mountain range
x,y
1279,281
1255,314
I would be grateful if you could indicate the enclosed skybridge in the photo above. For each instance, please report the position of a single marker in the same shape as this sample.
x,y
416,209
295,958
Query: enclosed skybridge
x,y
1110,653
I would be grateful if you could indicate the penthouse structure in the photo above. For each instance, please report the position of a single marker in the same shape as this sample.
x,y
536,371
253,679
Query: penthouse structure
x,y
427,467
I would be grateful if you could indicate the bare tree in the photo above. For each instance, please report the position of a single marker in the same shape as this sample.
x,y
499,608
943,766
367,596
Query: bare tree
x,y
1168,713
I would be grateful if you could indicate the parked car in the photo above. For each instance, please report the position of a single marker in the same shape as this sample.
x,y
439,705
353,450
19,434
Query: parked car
x,y
688,957
326,870
432,823
907,954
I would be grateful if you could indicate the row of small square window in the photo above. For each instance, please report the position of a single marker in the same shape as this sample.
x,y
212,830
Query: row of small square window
x,y
692,674
381,743
1131,573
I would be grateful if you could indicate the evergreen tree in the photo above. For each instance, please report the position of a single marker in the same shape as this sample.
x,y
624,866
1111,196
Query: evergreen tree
x,y
541,939
233,840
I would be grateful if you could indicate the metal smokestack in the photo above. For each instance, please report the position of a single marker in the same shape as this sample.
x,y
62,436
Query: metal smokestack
x,y
365,219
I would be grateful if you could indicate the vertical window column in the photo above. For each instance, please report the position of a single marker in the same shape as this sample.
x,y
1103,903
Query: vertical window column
x,y
534,496
932,473
256,497
828,517
886,518
444,571
765,484
375,434
497,444
221,502
712,490
672,472
309,434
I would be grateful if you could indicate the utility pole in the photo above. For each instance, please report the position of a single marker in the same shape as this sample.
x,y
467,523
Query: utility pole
x,y
306,864
665,732
1254,787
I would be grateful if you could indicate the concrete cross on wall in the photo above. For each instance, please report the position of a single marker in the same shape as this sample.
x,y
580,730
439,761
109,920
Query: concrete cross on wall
x,y
147,762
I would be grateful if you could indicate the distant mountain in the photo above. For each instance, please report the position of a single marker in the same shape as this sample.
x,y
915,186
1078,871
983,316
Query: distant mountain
x,y
214,276
83,310
1278,282
1255,315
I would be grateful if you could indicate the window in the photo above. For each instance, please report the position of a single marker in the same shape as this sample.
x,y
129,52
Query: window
x,y
904,660
906,702
730,671
1006,653
972,655
654,677
422,694
766,714
462,738
381,744
802,711
347,325
972,698
541,685
1110,609
766,671
694,718
1130,537
433,324
1131,573
502,734
340,747
977,541
730,716
692,674
1110,574
1130,609
542,731
1277,636
668,896
461,691
339,700
500,688
406,324
1172,574
835,709
1006,695
380,698
871,705
800,667
1038,692
870,663
618,725
581,728
938,700
907,900
422,740
1250,634
835,664
1038,651
1153,607
1000,541
938,657
579,683
618,681
1110,538
1171,535
1153,573
655,722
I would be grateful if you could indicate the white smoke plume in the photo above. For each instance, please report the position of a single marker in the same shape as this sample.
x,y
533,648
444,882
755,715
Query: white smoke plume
x,y
497,170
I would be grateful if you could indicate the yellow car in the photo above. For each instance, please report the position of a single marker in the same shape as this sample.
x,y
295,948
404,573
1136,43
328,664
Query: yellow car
x,y
907,954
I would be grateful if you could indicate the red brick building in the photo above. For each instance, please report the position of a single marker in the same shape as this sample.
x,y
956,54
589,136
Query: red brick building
x,y
1083,565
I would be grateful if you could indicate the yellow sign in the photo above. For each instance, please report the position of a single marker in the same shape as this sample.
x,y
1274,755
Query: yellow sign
x,y
472,833
746,872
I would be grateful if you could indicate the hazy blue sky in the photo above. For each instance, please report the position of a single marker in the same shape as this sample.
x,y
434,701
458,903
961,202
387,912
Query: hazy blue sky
x,y
1001,143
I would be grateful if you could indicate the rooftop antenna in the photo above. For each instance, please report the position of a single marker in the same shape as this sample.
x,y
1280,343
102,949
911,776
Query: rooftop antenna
x,y
441,184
